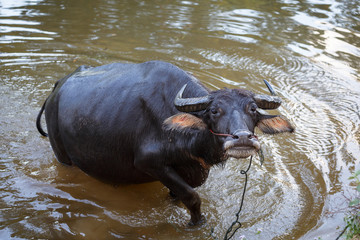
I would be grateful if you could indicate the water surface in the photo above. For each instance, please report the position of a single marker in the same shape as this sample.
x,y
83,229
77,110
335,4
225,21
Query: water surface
x,y
309,51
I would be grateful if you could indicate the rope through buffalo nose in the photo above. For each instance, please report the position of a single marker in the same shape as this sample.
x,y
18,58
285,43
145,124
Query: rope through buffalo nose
x,y
229,135
224,134
231,231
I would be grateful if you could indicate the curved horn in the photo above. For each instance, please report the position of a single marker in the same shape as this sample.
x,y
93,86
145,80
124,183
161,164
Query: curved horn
x,y
190,104
266,101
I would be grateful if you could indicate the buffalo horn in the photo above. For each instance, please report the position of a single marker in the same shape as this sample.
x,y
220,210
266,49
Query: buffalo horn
x,y
266,101
271,90
190,104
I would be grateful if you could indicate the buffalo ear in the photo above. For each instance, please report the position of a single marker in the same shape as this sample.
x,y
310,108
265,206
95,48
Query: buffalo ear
x,y
273,124
183,121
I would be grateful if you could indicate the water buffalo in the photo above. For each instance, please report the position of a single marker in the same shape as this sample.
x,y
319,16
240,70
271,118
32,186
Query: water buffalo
x,y
137,123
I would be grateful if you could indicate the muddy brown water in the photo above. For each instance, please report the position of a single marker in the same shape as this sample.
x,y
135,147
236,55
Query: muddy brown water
x,y
309,51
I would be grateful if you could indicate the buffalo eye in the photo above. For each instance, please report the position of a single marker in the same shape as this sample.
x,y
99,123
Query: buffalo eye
x,y
214,111
252,108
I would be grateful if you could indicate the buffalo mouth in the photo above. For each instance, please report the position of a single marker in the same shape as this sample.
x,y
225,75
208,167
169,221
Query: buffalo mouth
x,y
241,149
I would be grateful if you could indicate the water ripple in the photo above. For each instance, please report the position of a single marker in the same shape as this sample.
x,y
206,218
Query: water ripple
x,y
308,50
238,25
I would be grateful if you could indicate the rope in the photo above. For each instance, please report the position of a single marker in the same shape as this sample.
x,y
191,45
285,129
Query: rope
x,y
342,232
230,229
223,134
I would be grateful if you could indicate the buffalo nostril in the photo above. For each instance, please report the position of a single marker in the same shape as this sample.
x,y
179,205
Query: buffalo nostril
x,y
253,136
242,134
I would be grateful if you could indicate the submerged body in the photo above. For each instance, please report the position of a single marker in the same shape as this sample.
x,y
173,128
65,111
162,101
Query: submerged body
x,y
135,123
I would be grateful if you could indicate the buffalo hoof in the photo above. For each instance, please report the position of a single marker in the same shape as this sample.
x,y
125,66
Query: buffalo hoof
x,y
200,222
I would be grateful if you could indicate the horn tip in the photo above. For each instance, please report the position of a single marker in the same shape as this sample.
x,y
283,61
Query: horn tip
x,y
269,87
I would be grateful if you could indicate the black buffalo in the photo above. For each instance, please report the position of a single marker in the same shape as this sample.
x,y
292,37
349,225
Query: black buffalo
x,y
137,123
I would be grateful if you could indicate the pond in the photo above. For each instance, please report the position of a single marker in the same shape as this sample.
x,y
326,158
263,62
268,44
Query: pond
x,y
310,52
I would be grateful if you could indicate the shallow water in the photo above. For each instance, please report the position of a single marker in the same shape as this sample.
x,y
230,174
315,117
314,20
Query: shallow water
x,y
308,50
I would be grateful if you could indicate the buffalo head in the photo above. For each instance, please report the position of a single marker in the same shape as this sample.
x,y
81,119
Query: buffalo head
x,y
231,115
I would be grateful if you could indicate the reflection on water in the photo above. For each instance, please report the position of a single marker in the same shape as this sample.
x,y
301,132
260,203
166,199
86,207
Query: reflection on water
x,y
309,51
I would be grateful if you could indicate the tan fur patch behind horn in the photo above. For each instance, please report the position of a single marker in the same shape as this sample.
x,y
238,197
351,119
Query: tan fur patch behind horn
x,y
184,120
277,124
